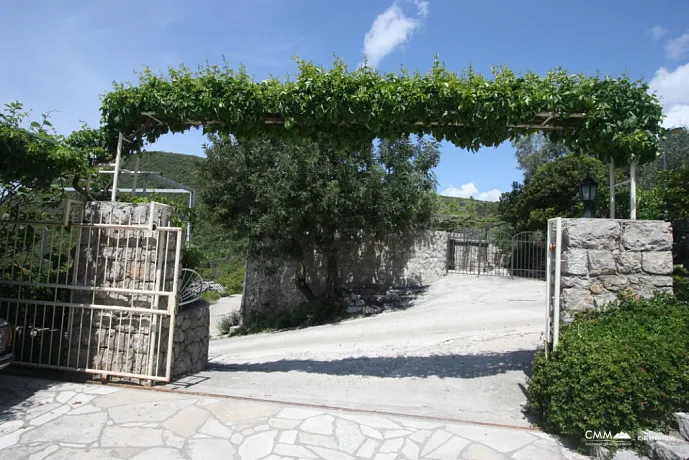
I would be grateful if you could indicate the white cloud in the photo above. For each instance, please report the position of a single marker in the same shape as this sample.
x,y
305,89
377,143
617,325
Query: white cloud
x,y
672,87
470,190
391,29
678,47
657,32
677,116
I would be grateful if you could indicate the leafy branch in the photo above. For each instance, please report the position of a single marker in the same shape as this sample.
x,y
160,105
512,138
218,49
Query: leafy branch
x,y
622,120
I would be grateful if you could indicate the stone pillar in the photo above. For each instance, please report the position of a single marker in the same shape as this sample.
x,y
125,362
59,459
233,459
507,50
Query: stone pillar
x,y
141,259
603,257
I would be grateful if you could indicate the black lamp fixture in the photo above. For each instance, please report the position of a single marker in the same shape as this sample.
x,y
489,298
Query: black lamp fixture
x,y
587,192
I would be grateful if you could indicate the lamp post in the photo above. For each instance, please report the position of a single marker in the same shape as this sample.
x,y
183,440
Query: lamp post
x,y
587,192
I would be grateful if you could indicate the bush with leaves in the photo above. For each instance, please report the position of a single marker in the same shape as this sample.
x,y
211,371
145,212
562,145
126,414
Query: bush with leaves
x,y
623,369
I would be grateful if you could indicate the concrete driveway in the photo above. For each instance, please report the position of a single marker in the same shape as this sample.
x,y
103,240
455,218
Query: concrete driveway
x,y
462,353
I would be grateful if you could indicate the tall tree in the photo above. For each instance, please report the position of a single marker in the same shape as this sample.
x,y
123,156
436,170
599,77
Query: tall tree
x,y
304,197
534,151
674,152
553,191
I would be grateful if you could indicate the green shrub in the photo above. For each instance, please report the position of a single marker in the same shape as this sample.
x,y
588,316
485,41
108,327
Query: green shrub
x,y
228,321
626,368
211,296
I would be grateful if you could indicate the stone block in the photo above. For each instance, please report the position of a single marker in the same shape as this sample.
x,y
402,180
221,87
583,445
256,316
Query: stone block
x,y
602,300
645,235
577,299
655,281
614,283
683,423
573,282
628,262
657,262
601,263
591,233
575,262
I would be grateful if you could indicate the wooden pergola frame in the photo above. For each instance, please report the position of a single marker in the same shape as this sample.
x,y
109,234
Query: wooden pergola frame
x,y
542,121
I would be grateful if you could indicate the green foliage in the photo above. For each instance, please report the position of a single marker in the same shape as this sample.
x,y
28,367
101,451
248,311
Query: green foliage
x,y
31,154
308,197
675,146
552,192
211,296
227,322
307,314
626,368
680,279
451,213
534,151
354,108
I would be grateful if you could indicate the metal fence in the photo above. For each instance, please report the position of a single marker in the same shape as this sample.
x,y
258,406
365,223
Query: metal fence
x,y
496,252
90,291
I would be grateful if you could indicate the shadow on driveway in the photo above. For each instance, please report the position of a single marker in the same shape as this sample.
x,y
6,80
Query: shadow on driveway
x,y
442,366
20,394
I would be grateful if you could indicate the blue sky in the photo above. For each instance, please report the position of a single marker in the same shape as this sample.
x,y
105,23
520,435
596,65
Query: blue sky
x,y
61,55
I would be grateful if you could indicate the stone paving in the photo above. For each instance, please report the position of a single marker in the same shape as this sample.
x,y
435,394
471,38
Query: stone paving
x,y
46,420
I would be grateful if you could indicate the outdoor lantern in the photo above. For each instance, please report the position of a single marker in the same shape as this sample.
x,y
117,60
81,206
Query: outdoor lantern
x,y
587,193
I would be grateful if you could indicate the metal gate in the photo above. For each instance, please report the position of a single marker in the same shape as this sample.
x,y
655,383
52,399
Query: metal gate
x,y
553,268
496,252
91,288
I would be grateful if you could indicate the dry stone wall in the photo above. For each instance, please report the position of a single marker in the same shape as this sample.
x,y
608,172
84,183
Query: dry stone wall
x,y
603,257
407,261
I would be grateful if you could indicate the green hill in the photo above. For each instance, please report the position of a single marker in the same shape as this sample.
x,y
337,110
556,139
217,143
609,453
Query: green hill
x,y
176,166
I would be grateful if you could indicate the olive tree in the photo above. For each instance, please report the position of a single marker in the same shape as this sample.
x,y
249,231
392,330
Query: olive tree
x,y
301,197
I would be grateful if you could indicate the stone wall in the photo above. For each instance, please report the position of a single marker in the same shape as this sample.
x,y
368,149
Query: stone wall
x,y
190,349
399,262
602,257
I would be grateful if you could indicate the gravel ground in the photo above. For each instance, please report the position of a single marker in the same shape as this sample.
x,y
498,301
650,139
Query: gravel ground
x,y
462,352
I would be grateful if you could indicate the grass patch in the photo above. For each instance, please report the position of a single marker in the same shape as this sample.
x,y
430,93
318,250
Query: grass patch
x,y
211,296
227,322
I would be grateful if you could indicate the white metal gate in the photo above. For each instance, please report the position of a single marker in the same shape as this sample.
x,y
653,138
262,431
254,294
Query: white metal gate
x,y
91,287
553,268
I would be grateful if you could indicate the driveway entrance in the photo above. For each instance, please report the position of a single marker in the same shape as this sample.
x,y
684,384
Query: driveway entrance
x,y
462,352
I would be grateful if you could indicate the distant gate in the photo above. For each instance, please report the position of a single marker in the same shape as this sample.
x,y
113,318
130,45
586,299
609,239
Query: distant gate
x,y
496,252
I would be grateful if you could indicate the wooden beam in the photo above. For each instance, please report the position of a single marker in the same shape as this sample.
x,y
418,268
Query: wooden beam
x,y
279,120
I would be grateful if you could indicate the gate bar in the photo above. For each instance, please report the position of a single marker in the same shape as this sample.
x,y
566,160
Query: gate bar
x,y
558,267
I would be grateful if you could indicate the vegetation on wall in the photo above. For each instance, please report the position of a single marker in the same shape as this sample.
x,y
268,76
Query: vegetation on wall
x,y
351,109
298,198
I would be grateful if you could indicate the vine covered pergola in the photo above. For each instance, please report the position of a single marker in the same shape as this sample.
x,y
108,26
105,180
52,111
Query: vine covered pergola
x,y
613,119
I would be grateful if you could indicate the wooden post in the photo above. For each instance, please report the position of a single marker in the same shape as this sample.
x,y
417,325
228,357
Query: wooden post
x,y
116,176
632,191
136,173
612,188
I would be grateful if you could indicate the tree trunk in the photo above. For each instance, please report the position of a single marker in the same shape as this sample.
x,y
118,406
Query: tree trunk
x,y
300,281
332,274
